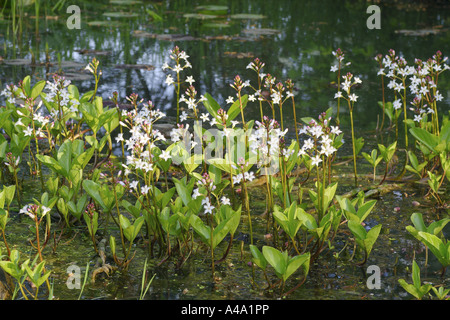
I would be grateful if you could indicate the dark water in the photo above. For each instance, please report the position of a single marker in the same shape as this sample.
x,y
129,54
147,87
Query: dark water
x,y
303,35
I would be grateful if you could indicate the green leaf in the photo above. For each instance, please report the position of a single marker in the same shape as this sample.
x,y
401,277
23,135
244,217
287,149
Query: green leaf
x,y
93,189
211,105
3,219
357,229
371,238
417,220
112,245
201,229
437,226
359,143
295,263
365,210
131,231
425,137
436,246
258,257
183,190
276,259
91,222
52,163
37,89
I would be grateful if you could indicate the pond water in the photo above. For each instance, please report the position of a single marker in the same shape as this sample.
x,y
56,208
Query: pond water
x,y
295,40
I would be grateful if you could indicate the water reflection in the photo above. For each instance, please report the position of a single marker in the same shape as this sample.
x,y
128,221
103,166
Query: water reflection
x,y
295,40
307,32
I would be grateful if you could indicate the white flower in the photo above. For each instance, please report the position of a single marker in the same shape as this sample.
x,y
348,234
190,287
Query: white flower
x,y
234,123
177,68
196,194
205,117
327,149
120,137
225,201
301,152
190,79
133,185
183,55
397,104
169,80
237,178
303,130
208,206
165,155
251,97
28,131
27,212
249,176
24,209
145,189
338,95
334,68
45,210
230,99
398,87
165,66
353,97
19,122
88,67
335,130
316,131
316,160
309,144
358,80
418,117
183,116
438,96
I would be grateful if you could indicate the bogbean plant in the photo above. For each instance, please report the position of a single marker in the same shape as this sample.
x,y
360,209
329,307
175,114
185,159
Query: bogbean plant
x,y
421,120
191,191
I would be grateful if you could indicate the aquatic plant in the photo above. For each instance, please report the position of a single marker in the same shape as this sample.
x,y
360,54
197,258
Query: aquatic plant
x,y
351,98
190,192
417,289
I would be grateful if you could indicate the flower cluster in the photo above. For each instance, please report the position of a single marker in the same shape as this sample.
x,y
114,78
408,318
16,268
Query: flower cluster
x,y
339,54
321,141
34,210
142,140
59,94
423,80
265,141
10,93
243,175
346,87
190,98
205,187
178,56
424,84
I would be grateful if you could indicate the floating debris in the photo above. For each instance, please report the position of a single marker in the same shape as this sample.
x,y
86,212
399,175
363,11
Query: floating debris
x,y
421,32
17,62
239,55
103,23
125,2
166,37
212,10
261,32
121,14
135,66
247,16
199,16
93,52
